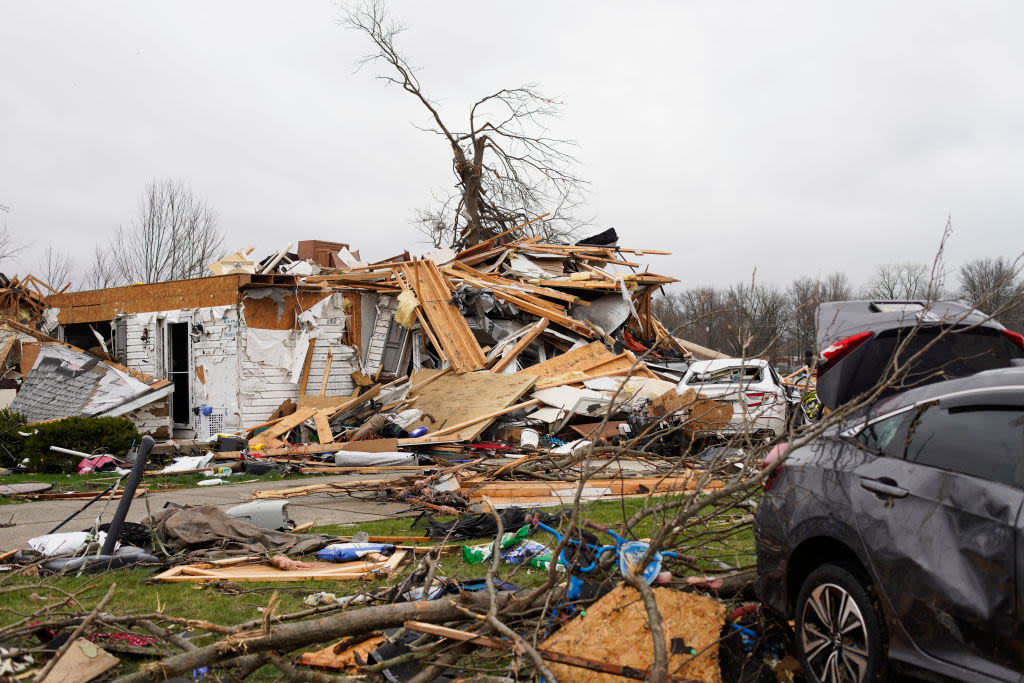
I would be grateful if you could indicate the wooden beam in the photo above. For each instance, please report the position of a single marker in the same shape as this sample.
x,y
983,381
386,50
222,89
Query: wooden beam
x,y
327,372
508,358
323,427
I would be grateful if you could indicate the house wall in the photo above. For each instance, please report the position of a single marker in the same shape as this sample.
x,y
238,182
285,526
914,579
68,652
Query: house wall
x,y
246,384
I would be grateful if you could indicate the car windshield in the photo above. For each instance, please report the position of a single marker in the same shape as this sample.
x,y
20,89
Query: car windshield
x,y
730,375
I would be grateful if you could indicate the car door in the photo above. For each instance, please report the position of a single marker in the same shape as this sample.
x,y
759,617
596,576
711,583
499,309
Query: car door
x,y
938,512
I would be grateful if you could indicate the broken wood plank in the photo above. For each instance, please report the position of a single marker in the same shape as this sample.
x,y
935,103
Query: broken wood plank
x,y
507,359
323,427
287,423
327,372
305,366
449,326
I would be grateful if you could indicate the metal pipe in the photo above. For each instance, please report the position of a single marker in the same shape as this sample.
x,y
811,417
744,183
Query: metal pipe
x,y
126,497
80,454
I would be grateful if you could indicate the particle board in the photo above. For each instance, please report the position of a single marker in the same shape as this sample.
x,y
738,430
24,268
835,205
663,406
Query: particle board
x,y
616,629
105,304
454,399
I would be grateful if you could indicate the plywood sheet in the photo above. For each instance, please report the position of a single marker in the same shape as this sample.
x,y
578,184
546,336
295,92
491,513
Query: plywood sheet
x,y
318,571
615,629
582,358
453,399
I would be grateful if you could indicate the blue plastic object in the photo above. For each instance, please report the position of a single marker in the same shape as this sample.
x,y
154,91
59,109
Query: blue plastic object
x,y
419,431
347,552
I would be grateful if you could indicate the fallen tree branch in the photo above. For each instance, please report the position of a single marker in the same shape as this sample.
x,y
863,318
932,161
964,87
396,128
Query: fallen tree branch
x,y
287,637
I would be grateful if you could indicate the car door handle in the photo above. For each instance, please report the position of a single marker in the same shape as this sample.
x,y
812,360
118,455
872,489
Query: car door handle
x,y
885,487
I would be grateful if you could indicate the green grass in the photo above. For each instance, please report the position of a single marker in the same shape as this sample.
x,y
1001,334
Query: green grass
x,y
136,592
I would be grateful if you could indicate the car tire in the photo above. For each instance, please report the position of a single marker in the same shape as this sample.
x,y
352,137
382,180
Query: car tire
x,y
839,627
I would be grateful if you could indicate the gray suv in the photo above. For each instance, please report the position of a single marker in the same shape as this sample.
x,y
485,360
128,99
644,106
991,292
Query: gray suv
x,y
897,537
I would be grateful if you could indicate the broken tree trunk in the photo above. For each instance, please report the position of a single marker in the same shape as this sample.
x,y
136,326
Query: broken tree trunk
x,y
286,637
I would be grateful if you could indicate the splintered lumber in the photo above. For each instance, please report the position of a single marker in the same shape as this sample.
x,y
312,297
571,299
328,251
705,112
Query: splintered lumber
x,y
287,423
513,353
449,327
581,358
501,491
319,571
622,365
486,244
323,427
615,629
461,270
470,400
346,660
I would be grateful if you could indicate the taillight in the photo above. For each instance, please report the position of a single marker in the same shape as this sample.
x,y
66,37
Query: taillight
x,y
774,454
1015,338
759,398
836,351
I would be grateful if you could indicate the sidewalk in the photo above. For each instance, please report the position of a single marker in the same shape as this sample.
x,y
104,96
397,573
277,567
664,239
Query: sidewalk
x,y
39,517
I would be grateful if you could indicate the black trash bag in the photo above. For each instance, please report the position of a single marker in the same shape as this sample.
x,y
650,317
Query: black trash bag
x,y
608,238
484,526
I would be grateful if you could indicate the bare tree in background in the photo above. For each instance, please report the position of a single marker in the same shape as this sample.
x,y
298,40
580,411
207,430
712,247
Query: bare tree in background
x,y
10,245
100,273
507,169
173,237
56,267
760,313
995,286
909,280
805,294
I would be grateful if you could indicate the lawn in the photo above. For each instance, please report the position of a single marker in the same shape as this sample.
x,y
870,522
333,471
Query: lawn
x,y
228,605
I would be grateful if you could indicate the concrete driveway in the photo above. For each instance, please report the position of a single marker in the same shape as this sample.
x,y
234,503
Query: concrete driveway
x,y
23,521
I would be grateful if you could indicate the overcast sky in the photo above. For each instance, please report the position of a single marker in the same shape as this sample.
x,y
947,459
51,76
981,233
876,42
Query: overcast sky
x,y
789,137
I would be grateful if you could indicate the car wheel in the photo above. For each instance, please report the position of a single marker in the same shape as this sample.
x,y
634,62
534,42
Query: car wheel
x,y
839,636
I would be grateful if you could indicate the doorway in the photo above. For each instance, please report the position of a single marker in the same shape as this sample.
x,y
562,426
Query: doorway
x,y
178,343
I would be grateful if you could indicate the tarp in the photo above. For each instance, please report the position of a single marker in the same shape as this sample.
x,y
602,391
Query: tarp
x,y
210,529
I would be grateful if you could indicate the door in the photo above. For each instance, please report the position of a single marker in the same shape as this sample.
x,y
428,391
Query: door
x,y
178,371
938,513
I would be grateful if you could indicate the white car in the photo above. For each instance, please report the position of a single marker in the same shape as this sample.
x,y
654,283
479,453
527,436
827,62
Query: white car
x,y
751,385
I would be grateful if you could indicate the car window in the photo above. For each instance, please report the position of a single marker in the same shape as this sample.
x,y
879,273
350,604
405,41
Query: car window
x,y
981,441
888,437
733,375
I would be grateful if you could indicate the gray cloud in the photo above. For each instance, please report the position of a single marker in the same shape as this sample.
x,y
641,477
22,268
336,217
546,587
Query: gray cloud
x,y
790,137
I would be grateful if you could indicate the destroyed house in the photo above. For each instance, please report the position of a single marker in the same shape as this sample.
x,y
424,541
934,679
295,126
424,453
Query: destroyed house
x,y
60,380
233,347
240,348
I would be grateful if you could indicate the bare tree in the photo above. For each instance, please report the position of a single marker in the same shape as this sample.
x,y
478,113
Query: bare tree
x,y
10,245
100,273
805,294
506,167
56,267
995,286
760,320
903,281
173,237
